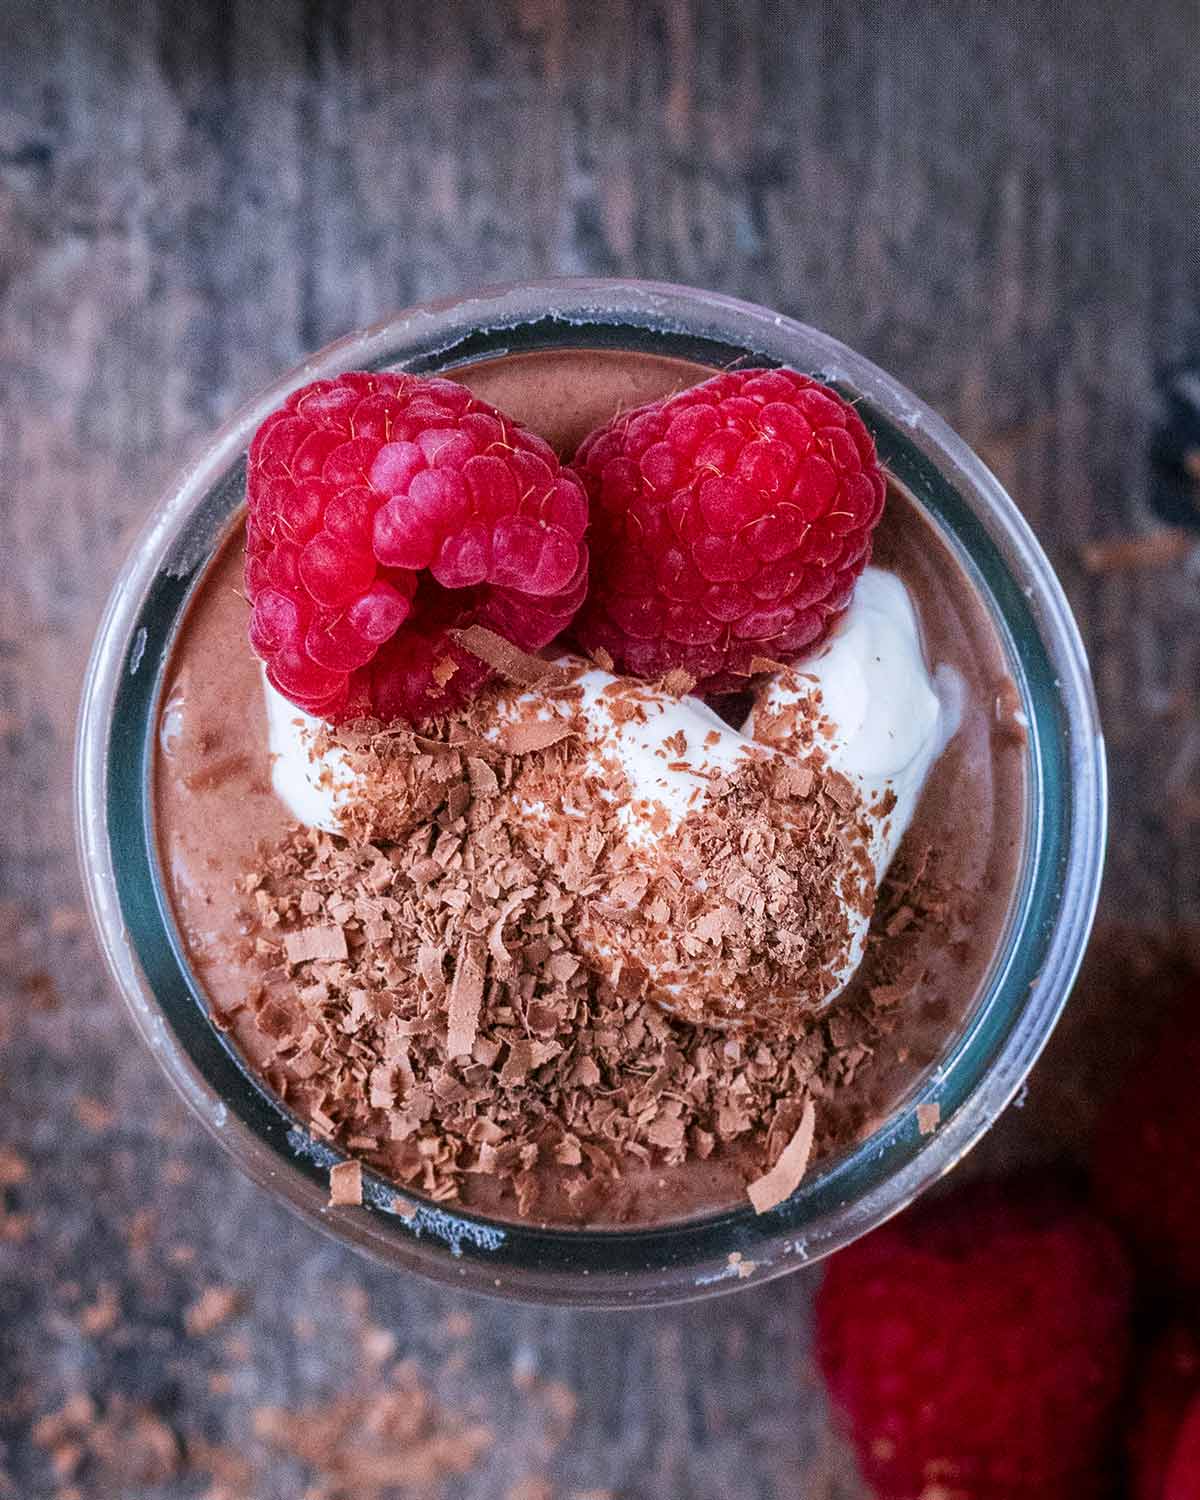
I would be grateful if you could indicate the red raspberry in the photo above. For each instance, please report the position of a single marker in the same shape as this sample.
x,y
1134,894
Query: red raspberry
x,y
730,521
1166,1420
387,510
977,1346
1183,1473
1147,1145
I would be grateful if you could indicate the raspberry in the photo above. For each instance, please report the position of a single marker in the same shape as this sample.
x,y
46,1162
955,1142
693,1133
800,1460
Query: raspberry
x,y
386,511
1166,1419
977,1346
1183,1475
1146,1146
730,522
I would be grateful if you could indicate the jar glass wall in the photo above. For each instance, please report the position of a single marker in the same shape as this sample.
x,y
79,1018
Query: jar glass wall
x,y
985,1060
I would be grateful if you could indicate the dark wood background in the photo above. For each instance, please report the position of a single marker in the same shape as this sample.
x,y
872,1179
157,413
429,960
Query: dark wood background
x,y
998,203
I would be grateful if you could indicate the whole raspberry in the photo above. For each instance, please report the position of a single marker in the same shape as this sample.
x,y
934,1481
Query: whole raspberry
x,y
1182,1480
1168,1393
977,1345
729,522
1147,1146
386,511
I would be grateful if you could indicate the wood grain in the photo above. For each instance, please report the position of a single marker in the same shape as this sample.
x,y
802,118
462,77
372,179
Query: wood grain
x,y
999,205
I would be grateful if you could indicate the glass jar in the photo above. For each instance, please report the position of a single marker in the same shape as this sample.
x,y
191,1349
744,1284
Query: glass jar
x,y
985,1060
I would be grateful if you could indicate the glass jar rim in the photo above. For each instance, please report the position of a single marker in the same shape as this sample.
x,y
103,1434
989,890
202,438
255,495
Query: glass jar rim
x,y
845,1195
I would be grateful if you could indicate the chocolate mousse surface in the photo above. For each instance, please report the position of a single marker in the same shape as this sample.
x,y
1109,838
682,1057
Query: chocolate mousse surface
x,y
418,1000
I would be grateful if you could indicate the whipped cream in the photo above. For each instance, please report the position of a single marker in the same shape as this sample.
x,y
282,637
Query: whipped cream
x,y
866,705
870,705
668,752
312,787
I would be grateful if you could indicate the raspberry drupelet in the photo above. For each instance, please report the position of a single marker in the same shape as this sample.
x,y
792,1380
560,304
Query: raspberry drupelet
x,y
385,512
730,523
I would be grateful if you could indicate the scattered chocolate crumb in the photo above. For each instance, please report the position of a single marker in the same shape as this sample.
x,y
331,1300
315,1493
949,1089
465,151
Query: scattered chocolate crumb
x,y
345,1183
130,1445
395,1441
14,1169
459,1325
15,1228
93,1114
214,1307
532,1487
678,683
1156,549
321,942
378,1345
928,1117
101,1314
41,990
67,921
760,664
769,1190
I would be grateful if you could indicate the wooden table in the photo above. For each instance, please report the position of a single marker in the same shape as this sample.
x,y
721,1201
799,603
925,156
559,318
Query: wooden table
x,y
998,204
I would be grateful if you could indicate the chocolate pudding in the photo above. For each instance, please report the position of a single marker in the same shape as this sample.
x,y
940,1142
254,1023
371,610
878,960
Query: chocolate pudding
x,y
608,1110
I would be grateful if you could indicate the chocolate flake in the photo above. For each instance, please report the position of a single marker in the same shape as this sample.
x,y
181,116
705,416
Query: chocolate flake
x,y
214,1306
678,683
323,942
508,660
1156,549
466,996
345,1183
529,735
769,1190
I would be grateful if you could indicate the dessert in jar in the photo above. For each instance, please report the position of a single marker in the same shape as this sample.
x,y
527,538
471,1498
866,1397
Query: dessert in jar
x,y
589,788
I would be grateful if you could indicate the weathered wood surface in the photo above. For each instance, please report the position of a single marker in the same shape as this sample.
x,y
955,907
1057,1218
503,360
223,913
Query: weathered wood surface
x,y
997,203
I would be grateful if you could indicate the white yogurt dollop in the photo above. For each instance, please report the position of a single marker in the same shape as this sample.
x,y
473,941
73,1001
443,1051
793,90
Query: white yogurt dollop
x,y
887,719
667,754
311,787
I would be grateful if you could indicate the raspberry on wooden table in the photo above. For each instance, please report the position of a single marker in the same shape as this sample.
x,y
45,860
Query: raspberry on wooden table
x,y
1164,1435
730,523
386,511
976,1346
1147,1143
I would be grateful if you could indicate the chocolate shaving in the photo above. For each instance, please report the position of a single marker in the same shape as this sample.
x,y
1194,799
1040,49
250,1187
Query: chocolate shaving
x,y
345,1183
928,1117
1125,554
678,683
466,996
483,778
323,942
529,735
769,1190
215,1306
508,660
